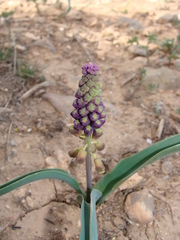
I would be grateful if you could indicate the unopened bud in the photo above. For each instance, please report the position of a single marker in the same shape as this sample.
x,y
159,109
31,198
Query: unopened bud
x,y
73,153
100,146
93,148
99,166
97,133
74,131
81,156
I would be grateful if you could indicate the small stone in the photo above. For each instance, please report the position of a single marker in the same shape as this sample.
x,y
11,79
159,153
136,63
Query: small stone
x,y
64,160
138,50
51,162
167,167
132,182
30,202
7,206
19,194
168,18
13,143
29,130
139,207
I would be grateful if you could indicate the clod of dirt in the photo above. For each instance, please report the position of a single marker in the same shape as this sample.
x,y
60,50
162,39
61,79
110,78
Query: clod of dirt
x,y
167,167
139,207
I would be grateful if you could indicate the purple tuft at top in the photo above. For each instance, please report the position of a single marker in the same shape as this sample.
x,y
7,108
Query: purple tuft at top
x,y
90,68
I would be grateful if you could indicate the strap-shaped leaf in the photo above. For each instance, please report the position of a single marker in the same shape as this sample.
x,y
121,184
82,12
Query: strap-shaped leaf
x,y
128,166
85,218
88,216
42,174
95,195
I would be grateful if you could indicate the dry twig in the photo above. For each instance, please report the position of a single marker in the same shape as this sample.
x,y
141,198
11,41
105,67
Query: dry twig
x,y
31,91
160,128
7,142
15,54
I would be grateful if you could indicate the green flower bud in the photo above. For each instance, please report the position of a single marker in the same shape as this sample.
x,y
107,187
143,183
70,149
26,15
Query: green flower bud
x,y
99,166
100,146
81,156
73,153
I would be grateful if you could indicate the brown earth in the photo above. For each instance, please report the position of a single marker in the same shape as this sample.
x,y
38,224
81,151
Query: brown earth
x,y
32,130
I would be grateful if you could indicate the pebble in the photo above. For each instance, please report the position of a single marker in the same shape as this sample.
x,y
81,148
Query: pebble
x,y
168,18
30,202
132,182
139,207
19,194
138,50
167,167
13,143
51,162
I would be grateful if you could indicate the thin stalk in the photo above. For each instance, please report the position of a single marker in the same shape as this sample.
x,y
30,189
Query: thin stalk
x,y
88,168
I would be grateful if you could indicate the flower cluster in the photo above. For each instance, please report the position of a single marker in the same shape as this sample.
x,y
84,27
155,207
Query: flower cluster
x,y
88,106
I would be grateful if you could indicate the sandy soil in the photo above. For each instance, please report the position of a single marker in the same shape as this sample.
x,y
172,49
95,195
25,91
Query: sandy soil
x,y
60,47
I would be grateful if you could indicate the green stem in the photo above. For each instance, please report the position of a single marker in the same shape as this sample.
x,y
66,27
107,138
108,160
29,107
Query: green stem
x,y
88,168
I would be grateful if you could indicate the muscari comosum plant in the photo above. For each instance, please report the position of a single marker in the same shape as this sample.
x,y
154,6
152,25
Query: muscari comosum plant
x,y
89,115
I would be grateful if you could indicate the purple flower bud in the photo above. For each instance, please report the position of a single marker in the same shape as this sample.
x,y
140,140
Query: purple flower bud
x,y
90,68
91,107
74,131
93,92
78,125
90,83
85,121
97,100
75,104
75,114
87,97
98,123
83,112
84,88
81,82
99,109
102,114
97,85
88,130
94,116
79,93
97,133
80,102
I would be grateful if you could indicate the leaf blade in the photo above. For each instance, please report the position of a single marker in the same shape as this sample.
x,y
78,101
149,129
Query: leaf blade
x,y
128,166
95,195
39,175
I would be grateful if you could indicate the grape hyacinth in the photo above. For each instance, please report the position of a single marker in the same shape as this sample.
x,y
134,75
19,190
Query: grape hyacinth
x,y
88,113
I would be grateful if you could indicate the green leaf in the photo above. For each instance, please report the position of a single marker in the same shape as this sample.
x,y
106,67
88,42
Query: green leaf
x,y
85,218
42,174
128,166
95,195
88,216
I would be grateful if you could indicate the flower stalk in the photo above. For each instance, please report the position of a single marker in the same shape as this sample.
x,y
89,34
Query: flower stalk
x,y
88,168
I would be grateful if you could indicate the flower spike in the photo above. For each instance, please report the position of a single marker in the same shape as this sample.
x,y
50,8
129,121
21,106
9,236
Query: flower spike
x,y
89,110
